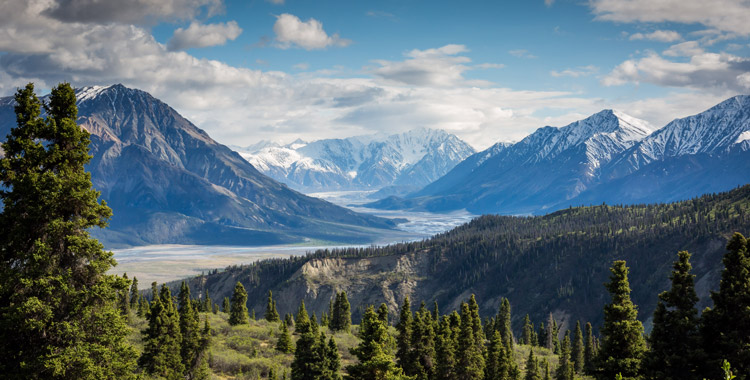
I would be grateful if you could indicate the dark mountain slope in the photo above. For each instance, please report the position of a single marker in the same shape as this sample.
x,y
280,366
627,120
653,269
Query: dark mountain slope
x,y
554,263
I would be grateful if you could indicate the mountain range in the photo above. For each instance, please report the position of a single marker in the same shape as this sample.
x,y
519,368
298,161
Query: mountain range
x,y
608,157
393,164
167,181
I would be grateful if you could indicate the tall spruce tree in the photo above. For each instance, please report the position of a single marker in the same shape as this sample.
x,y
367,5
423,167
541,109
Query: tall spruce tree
x,y
577,351
383,313
726,327
341,320
192,337
423,345
565,369
589,353
532,367
238,307
307,359
495,363
528,330
445,351
502,324
134,295
374,359
284,343
623,346
272,315
332,361
674,340
469,357
57,304
302,322
162,339
403,338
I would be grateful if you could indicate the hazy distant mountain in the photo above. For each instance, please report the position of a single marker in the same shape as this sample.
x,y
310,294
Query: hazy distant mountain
x,y
169,182
397,163
550,165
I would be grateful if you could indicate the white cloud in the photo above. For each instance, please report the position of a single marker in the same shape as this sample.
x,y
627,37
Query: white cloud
x,y
199,35
521,53
432,67
725,15
716,72
658,35
582,71
684,49
309,35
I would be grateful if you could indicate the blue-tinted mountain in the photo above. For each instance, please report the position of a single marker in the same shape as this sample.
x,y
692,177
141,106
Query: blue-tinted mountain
x,y
167,181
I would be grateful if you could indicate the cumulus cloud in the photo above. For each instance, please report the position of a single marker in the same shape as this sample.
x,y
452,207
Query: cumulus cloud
x,y
582,71
657,35
717,72
684,49
439,67
199,35
724,15
128,11
309,35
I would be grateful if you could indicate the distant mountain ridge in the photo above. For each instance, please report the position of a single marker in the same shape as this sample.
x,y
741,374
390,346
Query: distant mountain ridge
x,y
400,163
607,157
169,182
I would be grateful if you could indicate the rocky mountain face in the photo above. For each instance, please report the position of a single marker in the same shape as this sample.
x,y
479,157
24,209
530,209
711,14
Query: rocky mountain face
x,y
167,181
607,157
397,164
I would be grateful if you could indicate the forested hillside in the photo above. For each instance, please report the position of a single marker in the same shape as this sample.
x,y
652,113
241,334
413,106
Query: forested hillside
x,y
555,263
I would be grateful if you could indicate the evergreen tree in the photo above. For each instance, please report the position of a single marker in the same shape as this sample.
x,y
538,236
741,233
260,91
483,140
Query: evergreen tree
x,y
423,345
302,322
143,306
528,330
225,305
403,338
476,323
565,368
341,320
542,336
307,360
469,359
445,352
588,350
496,368
192,340
546,370
57,304
134,295
623,345
289,320
674,339
330,360
502,324
123,298
374,360
271,314
577,351
383,313
726,327
435,312
238,307
284,343
551,333
532,367
252,314
162,339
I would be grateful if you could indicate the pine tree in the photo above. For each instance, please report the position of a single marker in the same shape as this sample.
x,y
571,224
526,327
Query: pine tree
x,y
423,345
162,339
57,304
341,320
528,330
331,360
289,320
589,353
577,354
134,295
546,370
565,367
383,313
284,343
477,323
623,345
542,336
502,324
374,359
469,359
435,312
445,352
123,299
403,338
726,327
192,339
225,305
307,360
674,339
238,307
532,367
271,314
551,333
143,306
302,322
495,368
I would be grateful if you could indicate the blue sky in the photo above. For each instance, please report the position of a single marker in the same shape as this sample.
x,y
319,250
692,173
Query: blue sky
x,y
485,70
